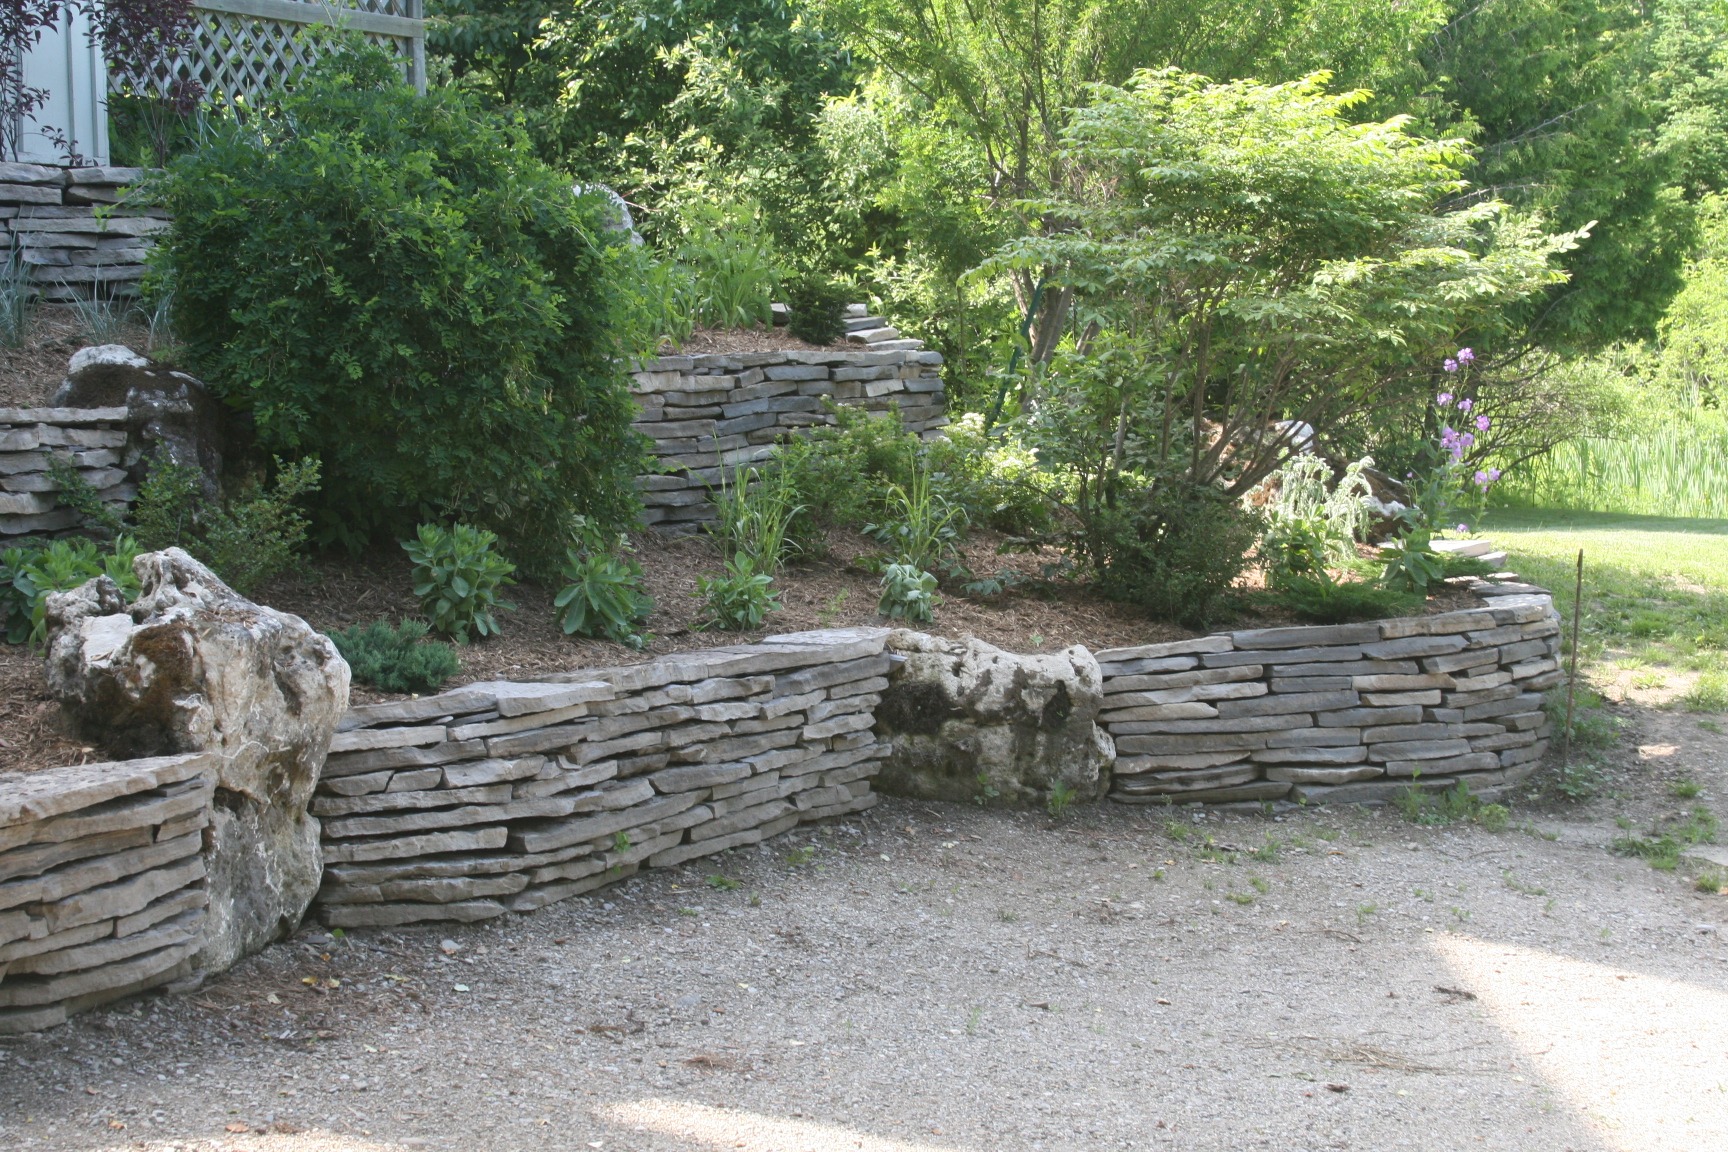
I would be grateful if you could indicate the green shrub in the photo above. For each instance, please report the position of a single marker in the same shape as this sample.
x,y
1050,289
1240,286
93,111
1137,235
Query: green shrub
x,y
840,472
246,540
908,594
457,575
1327,601
76,493
396,283
17,591
60,567
603,597
1171,549
739,599
995,477
396,659
818,307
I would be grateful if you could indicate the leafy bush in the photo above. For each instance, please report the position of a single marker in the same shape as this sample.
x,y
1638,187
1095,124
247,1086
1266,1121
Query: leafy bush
x,y
818,306
1327,601
994,476
1171,549
396,659
603,596
457,575
739,599
17,591
245,540
59,567
908,594
754,515
396,283
76,493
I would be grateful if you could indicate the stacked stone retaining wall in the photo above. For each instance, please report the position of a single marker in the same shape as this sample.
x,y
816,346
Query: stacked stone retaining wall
x,y
708,414
1347,712
102,889
91,440
69,229
504,797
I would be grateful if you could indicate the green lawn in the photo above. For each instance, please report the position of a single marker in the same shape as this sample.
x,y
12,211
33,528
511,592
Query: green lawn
x,y
1655,591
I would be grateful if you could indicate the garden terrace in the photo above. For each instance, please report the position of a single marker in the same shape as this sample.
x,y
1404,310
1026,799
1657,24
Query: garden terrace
x,y
708,413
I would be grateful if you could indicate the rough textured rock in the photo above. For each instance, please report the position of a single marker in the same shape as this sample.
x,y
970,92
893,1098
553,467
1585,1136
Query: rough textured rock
x,y
969,721
173,416
193,666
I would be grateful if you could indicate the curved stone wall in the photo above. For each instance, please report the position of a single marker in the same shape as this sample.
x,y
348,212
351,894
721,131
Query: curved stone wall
x,y
1341,713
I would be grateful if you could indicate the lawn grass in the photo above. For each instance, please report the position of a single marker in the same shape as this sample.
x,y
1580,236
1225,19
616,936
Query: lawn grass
x,y
1655,590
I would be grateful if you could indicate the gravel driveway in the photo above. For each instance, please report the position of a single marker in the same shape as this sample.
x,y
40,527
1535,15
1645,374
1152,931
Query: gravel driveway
x,y
938,977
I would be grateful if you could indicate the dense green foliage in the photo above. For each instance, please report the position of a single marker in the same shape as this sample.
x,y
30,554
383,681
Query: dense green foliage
x,y
398,285
246,539
29,572
457,577
396,659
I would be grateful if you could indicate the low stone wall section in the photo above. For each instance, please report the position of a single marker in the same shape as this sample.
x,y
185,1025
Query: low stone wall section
x,y
49,222
92,440
707,414
1338,713
102,888
504,797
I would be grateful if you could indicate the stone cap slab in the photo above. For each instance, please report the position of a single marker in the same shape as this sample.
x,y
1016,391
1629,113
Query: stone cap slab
x,y
26,797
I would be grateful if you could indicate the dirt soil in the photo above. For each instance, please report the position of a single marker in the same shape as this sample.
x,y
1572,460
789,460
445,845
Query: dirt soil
x,y
942,978
836,590
705,341
30,374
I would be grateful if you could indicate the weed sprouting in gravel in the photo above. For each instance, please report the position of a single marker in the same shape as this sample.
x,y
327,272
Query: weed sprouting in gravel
x,y
724,883
1663,845
1685,789
1060,798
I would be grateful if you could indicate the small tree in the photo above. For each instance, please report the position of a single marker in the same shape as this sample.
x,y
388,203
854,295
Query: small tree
x,y
1251,262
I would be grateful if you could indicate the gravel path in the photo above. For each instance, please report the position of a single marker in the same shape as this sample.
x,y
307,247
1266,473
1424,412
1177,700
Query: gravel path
x,y
938,977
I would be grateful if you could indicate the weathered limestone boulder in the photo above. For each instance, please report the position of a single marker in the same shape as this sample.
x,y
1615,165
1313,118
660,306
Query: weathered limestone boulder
x,y
173,416
969,721
193,666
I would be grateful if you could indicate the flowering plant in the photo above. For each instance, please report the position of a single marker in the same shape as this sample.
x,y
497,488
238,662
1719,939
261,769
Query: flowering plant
x,y
1444,485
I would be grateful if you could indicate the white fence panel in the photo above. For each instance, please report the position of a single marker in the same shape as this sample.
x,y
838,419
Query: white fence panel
x,y
71,124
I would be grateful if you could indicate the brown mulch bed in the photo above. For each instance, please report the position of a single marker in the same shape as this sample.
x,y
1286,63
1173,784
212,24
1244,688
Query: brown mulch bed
x,y
30,374
709,341
834,591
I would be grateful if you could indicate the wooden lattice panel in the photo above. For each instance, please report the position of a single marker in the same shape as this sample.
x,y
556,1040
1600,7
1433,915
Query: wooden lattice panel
x,y
241,49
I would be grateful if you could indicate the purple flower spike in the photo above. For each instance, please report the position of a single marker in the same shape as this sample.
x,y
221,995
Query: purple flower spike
x,y
1481,477
1483,423
1493,475
1450,365
1466,404
1463,527
1443,399
1466,356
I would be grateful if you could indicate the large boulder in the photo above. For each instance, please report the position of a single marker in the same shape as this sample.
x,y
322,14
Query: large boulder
x,y
971,722
173,416
191,666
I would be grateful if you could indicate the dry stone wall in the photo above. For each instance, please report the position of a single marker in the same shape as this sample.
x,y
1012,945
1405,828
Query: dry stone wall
x,y
92,440
69,229
706,414
504,797
102,888
1343,713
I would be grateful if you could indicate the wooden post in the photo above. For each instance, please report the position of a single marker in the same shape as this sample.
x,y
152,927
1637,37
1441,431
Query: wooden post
x,y
1572,675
